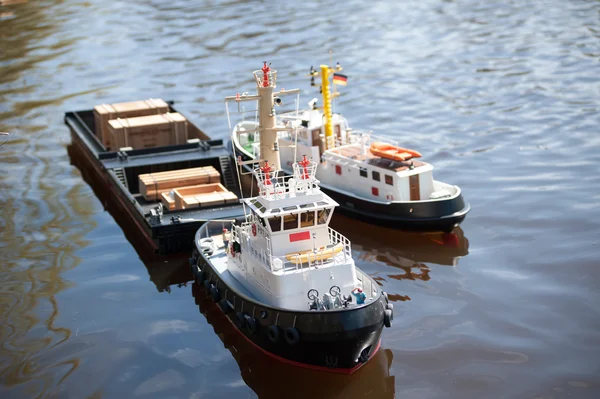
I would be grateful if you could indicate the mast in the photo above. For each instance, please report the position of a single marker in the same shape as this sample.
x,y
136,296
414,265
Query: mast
x,y
328,125
265,82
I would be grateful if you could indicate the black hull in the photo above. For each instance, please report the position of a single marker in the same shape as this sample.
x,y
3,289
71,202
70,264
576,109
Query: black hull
x,y
337,340
442,215
416,216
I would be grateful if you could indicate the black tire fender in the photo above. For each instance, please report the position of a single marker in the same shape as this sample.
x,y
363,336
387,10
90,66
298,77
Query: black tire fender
x,y
387,317
251,324
214,292
390,306
291,335
273,333
207,286
241,319
224,305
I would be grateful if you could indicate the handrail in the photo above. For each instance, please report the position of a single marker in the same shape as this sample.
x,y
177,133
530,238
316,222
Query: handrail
x,y
281,263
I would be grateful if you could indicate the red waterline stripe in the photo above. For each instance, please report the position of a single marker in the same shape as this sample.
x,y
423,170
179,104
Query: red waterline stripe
x,y
345,371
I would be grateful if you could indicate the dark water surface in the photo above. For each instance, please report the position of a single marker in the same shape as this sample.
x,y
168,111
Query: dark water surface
x,y
503,97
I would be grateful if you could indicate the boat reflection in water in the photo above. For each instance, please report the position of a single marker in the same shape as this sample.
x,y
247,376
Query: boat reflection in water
x,y
408,251
266,376
271,378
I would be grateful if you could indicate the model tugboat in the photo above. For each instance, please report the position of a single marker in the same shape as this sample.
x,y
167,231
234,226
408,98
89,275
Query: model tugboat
x,y
371,177
282,276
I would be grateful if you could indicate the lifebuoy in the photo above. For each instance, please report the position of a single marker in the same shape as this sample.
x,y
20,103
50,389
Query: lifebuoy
x,y
291,335
254,229
273,333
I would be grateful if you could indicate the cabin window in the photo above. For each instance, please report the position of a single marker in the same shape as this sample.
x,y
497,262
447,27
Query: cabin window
x,y
389,180
375,191
290,221
262,222
363,172
275,223
307,219
323,214
376,176
338,169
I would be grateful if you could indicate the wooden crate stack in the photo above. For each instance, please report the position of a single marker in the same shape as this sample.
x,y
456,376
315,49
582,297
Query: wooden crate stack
x,y
186,188
103,113
148,131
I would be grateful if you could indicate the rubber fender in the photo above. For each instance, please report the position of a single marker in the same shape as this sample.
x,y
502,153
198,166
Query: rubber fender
x,y
251,324
241,320
224,305
207,285
390,306
291,335
273,333
214,292
198,275
385,295
192,261
387,318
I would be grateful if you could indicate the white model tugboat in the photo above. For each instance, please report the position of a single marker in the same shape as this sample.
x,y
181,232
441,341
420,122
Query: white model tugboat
x,y
282,276
371,177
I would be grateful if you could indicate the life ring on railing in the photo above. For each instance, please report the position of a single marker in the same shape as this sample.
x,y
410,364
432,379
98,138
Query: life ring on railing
x,y
254,229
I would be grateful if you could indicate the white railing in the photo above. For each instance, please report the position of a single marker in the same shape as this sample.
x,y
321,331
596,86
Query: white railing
x,y
359,136
313,260
280,187
241,234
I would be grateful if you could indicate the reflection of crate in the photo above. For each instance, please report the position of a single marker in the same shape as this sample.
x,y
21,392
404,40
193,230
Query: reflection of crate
x,y
105,112
148,131
152,185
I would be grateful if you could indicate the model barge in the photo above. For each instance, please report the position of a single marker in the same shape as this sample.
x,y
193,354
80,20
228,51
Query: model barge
x,y
130,176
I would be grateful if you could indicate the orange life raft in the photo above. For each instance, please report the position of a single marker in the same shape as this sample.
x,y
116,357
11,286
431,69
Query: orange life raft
x,y
392,152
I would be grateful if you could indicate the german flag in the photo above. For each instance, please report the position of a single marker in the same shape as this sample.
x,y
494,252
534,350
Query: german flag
x,y
340,79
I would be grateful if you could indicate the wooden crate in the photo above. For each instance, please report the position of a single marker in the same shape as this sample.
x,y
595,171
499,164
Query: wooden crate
x,y
152,185
148,131
199,196
105,112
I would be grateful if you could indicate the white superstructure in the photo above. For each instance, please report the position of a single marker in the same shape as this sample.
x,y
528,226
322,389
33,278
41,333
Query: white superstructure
x,y
285,254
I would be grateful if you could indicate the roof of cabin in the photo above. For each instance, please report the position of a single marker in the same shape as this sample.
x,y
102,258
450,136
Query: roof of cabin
x,y
353,152
263,210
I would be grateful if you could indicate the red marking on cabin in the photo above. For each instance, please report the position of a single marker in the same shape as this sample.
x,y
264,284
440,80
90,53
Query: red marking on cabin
x,y
375,191
338,169
305,235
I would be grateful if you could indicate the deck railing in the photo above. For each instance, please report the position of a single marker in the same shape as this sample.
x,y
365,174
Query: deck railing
x,y
242,233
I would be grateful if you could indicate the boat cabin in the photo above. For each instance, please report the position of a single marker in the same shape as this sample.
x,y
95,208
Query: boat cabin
x,y
286,247
354,168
